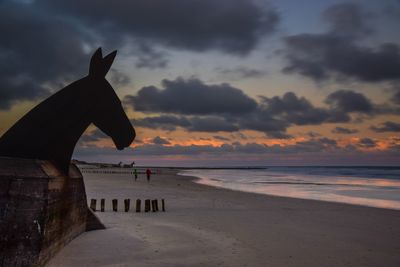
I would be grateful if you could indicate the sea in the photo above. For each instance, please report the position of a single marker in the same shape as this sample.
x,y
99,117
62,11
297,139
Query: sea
x,y
367,186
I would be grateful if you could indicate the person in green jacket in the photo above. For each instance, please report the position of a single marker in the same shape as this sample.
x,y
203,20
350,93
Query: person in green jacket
x,y
136,174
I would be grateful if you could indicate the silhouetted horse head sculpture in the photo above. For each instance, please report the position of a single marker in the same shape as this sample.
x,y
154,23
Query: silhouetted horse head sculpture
x,y
51,130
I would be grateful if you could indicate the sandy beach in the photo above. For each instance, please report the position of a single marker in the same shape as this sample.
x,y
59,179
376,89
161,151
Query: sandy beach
x,y
207,226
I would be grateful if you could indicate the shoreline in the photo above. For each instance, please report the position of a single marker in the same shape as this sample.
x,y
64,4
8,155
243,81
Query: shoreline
x,y
211,226
357,200
194,179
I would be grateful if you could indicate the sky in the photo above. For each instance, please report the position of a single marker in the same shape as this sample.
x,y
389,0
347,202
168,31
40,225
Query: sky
x,y
218,82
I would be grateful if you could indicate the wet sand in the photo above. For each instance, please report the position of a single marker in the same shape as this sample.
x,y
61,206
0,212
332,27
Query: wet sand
x,y
207,226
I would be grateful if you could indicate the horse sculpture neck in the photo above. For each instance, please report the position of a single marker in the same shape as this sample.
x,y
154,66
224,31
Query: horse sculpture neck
x,y
51,130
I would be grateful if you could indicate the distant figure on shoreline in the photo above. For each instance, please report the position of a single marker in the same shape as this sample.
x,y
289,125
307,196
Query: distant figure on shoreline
x,y
148,173
136,174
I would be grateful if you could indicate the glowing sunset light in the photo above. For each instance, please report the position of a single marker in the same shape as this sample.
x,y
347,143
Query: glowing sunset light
x,y
269,87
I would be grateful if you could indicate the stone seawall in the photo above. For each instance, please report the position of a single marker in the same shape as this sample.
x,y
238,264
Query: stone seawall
x,y
41,210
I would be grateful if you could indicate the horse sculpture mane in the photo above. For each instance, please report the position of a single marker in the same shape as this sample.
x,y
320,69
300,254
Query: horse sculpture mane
x,y
51,130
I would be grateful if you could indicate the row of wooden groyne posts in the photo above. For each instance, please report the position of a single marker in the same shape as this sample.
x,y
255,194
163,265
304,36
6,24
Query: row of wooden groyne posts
x,y
149,205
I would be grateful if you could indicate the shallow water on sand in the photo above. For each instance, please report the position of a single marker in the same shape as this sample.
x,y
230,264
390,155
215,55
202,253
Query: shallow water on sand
x,y
367,186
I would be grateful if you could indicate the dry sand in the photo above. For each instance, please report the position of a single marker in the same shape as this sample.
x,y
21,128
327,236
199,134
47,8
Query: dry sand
x,y
206,226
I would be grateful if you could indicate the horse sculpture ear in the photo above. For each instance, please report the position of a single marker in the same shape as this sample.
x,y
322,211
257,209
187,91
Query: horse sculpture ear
x,y
96,62
99,66
108,61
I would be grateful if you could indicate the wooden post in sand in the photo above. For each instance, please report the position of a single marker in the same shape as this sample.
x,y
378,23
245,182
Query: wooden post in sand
x,y
163,205
147,205
127,203
102,204
156,204
93,204
153,205
115,204
138,202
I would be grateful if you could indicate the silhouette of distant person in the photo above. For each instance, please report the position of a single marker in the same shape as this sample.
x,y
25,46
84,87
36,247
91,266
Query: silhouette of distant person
x,y
148,173
136,174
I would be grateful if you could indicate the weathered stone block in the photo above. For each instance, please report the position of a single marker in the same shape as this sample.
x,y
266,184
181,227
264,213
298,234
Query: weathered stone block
x,y
41,210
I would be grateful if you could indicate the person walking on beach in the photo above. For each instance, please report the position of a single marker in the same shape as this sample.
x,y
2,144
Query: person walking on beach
x,y
136,174
148,173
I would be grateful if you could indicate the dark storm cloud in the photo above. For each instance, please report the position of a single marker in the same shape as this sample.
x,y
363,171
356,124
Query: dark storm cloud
x,y
164,122
37,51
94,136
273,128
392,10
337,52
249,148
349,101
118,78
300,111
149,57
288,103
367,142
240,72
342,130
189,123
310,146
387,126
221,138
313,134
191,97
160,141
264,122
232,26
239,135
322,56
222,108
396,97
238,111
348,19
45,43
328,142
